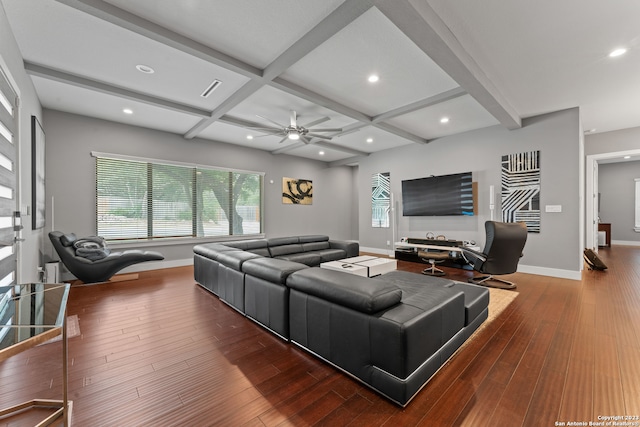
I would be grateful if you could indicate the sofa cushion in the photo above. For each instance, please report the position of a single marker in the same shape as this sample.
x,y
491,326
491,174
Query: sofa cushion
x,y
293,248
331,255
359,293
211,250
313,238
315,246
271,269
312,259
248,244
235,259
279,241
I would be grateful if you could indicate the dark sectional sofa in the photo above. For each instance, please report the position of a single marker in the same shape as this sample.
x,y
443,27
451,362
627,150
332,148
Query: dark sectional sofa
x,y
392,332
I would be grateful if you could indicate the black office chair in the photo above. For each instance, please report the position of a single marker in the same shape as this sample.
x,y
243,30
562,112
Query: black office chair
x,y
97,270
433,257
502,251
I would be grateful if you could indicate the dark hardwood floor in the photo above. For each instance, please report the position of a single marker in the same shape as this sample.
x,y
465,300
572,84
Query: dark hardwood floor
x,y
161,351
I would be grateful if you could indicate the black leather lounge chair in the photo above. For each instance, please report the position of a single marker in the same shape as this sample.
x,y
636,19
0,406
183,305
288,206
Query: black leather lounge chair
x,y
99,270
502,251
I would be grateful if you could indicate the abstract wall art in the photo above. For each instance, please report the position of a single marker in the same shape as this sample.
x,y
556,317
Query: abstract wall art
x,y
297,191
380,199
521,189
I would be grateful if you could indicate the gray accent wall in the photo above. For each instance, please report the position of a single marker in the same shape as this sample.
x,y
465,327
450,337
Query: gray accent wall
x,y
616,184
555,251
71,178
11,61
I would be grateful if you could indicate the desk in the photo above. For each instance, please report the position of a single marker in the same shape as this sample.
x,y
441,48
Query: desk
x,y
30,315
607,232
409,252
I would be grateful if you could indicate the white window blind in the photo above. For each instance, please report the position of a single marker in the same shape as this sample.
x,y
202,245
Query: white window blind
x,y
151,200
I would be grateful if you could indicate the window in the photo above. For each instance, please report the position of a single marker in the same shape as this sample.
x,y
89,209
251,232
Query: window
x,y
637,224
140,199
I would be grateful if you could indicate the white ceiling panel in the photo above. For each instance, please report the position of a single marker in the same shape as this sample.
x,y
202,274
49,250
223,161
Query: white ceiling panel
x,y
77,43
464,114
231,27
62,97
237,135
370,45
312,151
276,105
380,140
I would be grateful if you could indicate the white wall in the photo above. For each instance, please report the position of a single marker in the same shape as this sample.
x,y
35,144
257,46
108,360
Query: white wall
x,y
11,62
555,251
71,178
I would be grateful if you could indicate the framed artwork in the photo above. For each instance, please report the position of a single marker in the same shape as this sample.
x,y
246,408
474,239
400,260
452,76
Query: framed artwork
x,y
380,199
37,174
521,189
297,191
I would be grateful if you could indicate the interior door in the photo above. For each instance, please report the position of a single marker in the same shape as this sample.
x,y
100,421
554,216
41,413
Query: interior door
x,y
8,181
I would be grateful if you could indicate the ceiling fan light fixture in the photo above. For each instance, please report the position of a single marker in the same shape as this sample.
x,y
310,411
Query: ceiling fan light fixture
x,y
293,135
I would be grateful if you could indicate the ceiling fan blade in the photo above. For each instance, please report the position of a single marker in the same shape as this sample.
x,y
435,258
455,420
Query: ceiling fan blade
x,y
325,130
283,140
316,122
268,134
316,135
271,121
305,140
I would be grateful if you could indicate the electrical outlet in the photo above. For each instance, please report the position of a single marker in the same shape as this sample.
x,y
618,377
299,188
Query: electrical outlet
x,y
388,242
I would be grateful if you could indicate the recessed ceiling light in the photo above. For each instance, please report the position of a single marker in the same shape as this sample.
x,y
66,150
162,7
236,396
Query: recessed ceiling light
x,y
127,111
627,157
369,140
145,69
373,78
618,52
444,120
321,153
249,136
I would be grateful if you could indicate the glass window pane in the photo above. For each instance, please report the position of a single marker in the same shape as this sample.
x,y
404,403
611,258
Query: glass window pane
x,y
172,201
121,199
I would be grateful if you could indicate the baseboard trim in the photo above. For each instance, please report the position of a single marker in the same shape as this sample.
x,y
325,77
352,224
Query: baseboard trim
x,y
625,242
552,272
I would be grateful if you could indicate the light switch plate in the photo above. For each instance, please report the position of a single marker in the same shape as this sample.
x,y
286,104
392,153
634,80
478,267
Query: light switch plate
x,y
553,208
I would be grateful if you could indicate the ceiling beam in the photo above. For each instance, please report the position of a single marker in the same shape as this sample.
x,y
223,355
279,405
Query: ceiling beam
x,y
423,103
121,18
418,21
97,86
345,14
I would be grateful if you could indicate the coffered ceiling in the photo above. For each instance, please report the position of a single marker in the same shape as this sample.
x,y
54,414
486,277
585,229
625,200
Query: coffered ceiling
x,y
476,63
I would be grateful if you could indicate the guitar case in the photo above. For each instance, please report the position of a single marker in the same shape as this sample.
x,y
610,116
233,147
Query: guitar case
x,y
592,260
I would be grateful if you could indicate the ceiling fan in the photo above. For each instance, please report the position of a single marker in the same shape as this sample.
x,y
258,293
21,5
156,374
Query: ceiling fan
x,y
294,131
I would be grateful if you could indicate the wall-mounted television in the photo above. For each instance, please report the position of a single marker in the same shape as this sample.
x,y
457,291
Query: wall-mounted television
x,y
442,195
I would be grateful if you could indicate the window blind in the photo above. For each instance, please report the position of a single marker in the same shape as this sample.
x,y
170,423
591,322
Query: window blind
x,y
148,200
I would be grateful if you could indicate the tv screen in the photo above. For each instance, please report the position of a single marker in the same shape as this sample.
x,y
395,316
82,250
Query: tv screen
x,y
438,195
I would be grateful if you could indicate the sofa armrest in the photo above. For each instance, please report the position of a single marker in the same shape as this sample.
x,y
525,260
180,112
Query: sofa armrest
x,y
351,248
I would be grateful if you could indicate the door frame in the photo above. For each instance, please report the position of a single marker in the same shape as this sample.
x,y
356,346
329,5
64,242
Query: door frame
x,y
591,192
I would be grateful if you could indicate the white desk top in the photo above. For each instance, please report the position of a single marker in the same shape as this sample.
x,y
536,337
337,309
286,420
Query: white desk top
x,y
436,247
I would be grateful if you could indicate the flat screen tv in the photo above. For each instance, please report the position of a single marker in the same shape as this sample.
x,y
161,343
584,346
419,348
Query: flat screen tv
x,y
442,195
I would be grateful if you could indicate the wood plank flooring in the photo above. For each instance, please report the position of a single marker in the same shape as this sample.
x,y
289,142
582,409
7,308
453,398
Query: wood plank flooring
x,y
161,351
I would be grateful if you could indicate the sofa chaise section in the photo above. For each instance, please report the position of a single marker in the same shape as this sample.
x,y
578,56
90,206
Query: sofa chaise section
x,y
390,335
